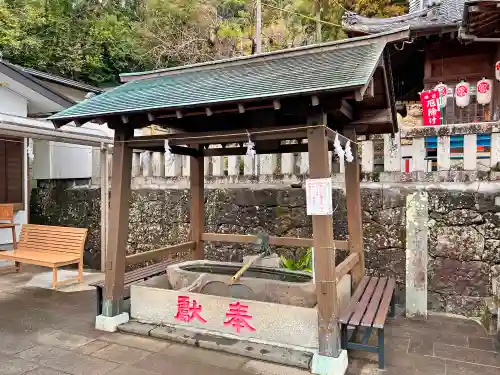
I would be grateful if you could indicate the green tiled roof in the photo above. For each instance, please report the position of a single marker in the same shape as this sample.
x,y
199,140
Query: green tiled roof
x,y
329,67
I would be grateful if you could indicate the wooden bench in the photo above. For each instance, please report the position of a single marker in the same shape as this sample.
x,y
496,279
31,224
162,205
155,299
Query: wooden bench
x,y
7,221
132,277
368,308
49,246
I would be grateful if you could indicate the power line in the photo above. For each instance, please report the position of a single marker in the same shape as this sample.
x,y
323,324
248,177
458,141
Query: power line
x,y
302,15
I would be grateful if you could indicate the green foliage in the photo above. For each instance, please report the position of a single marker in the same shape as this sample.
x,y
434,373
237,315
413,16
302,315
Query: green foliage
x,y
303,264
95,40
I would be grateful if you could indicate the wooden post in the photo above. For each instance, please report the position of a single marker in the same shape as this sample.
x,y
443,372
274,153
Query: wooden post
x,y
197,203
104,203
324,251
118,223
354,216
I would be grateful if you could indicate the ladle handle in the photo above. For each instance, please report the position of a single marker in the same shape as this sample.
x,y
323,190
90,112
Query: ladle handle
x,y
240,272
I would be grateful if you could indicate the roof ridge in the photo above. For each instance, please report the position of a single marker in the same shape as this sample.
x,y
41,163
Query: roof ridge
x,y
344,43
53,77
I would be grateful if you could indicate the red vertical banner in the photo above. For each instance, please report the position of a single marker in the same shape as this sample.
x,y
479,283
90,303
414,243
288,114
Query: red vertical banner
x,y
431,111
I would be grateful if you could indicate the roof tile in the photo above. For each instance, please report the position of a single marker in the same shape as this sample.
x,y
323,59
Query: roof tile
x,y
329,68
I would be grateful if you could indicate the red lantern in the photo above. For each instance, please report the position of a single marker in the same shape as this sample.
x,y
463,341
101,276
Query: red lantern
x,y
484,89
497,70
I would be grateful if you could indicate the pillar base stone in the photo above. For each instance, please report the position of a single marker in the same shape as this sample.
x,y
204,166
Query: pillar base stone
x,y
110,323
323,365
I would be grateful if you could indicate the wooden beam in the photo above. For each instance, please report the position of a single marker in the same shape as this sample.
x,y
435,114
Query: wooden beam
x,y
187,151
354,215
159,254
347,264
118,223
373,118
482,9
324,250
346,110
273,240
197,214
217,137
359,94
293,148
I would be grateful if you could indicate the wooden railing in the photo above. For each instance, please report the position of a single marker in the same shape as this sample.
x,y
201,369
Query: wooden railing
x,y
159,254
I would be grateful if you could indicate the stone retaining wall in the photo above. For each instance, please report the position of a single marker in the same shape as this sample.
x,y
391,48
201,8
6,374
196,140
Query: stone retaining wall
x,y
464,238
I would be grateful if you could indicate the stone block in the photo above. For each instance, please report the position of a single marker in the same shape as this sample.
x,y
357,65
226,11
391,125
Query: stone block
x,y
444,201
323,365
260,351
453,277
269,322
463,217
461,243
110,323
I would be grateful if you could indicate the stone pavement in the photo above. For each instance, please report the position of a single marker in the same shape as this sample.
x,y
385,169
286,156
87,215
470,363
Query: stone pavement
x,y
44,332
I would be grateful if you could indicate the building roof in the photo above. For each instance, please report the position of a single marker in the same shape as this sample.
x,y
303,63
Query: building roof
x,y
328,67
434,15
18,74
481,19
58,79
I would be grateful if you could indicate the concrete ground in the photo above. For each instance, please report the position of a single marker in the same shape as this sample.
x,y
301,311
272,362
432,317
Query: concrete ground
x,y
45,332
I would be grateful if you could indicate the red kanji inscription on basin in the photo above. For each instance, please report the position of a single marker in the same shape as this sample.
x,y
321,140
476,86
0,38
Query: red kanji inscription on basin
x,y
186,312
238,317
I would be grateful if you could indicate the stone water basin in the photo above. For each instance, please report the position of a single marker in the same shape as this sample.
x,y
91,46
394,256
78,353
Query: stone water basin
x,y
281,309
266,284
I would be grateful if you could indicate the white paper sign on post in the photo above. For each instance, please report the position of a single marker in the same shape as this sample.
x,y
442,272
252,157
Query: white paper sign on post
x,y
319,196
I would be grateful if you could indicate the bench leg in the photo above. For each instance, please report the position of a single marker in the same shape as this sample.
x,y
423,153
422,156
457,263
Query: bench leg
x,y
54,278
80,272
14,238
381,363
393,305
343,336
99,300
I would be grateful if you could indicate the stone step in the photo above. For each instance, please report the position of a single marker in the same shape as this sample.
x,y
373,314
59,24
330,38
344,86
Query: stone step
x,y
264,352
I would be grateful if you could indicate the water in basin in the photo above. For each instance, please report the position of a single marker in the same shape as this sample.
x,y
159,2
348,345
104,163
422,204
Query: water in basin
x,y
252,272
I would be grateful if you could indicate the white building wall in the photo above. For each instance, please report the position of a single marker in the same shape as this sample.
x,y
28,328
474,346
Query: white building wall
x,y
11,103
70,161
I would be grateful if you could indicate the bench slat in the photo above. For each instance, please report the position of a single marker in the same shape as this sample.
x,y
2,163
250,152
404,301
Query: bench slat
x,y
374,303
384,305
141,273
346,314
363,303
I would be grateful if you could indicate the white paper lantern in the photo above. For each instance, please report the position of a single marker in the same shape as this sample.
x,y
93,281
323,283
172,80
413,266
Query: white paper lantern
x,y
443,92
462,94
484,89
497,70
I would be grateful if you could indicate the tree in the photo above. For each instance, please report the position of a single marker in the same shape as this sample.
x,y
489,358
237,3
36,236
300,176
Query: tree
x,y
95,40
